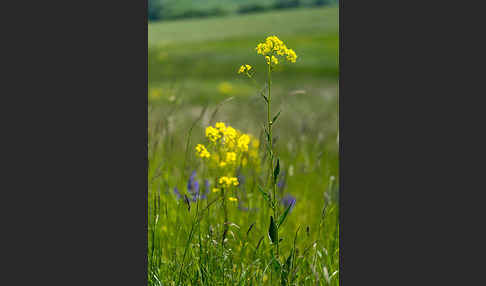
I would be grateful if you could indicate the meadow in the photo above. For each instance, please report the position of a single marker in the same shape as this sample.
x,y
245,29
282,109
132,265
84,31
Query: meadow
x,y
193,84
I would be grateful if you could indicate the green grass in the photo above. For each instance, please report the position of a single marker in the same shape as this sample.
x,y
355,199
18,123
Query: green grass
x,y
188,60
197,55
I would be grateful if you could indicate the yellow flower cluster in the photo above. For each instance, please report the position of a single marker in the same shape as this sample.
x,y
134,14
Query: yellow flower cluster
x,y
228,150
243,142
212,134
228,181
202,151
232,199
274,46
244,69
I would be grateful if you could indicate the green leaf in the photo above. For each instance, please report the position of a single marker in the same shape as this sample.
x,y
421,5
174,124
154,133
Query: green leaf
x,y
284,216
272,231
276,171
275,117
265,195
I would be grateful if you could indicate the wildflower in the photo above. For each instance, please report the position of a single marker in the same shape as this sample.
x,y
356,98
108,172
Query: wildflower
x,y
228,181
193,187
230,133
202,151
220,126
274,46
244,69
177,193
291,56
222,164
215,190
243,142
231,157
289,200
232,199
212,134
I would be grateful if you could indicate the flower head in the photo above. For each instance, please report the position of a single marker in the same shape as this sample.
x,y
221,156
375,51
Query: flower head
x,y
244,69
228,181
273,47
232,199
212,134
202,151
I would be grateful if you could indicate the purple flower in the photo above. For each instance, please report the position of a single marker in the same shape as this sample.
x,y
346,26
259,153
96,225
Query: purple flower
x,y
176,192
288,200
194,190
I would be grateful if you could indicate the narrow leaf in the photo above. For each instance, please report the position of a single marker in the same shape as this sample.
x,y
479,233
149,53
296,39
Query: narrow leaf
x,y
265,195
284,216
187,202
251,226
272,231
275,117
276,171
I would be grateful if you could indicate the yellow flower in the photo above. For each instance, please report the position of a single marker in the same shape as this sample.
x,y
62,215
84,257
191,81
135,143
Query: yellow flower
x,y
222,164
230,134
291,55
274,46
215,190
232,199
274,60
202,151
212,134
231,157
244,69
220,126
228,181
243,142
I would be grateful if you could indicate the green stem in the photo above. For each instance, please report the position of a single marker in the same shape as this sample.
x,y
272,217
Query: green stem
x,y
269,126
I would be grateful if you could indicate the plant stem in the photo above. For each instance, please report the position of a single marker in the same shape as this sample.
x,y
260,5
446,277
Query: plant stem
x,y
269,126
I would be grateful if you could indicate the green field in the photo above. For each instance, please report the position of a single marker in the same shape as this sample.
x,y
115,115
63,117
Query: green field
x,y
193,83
